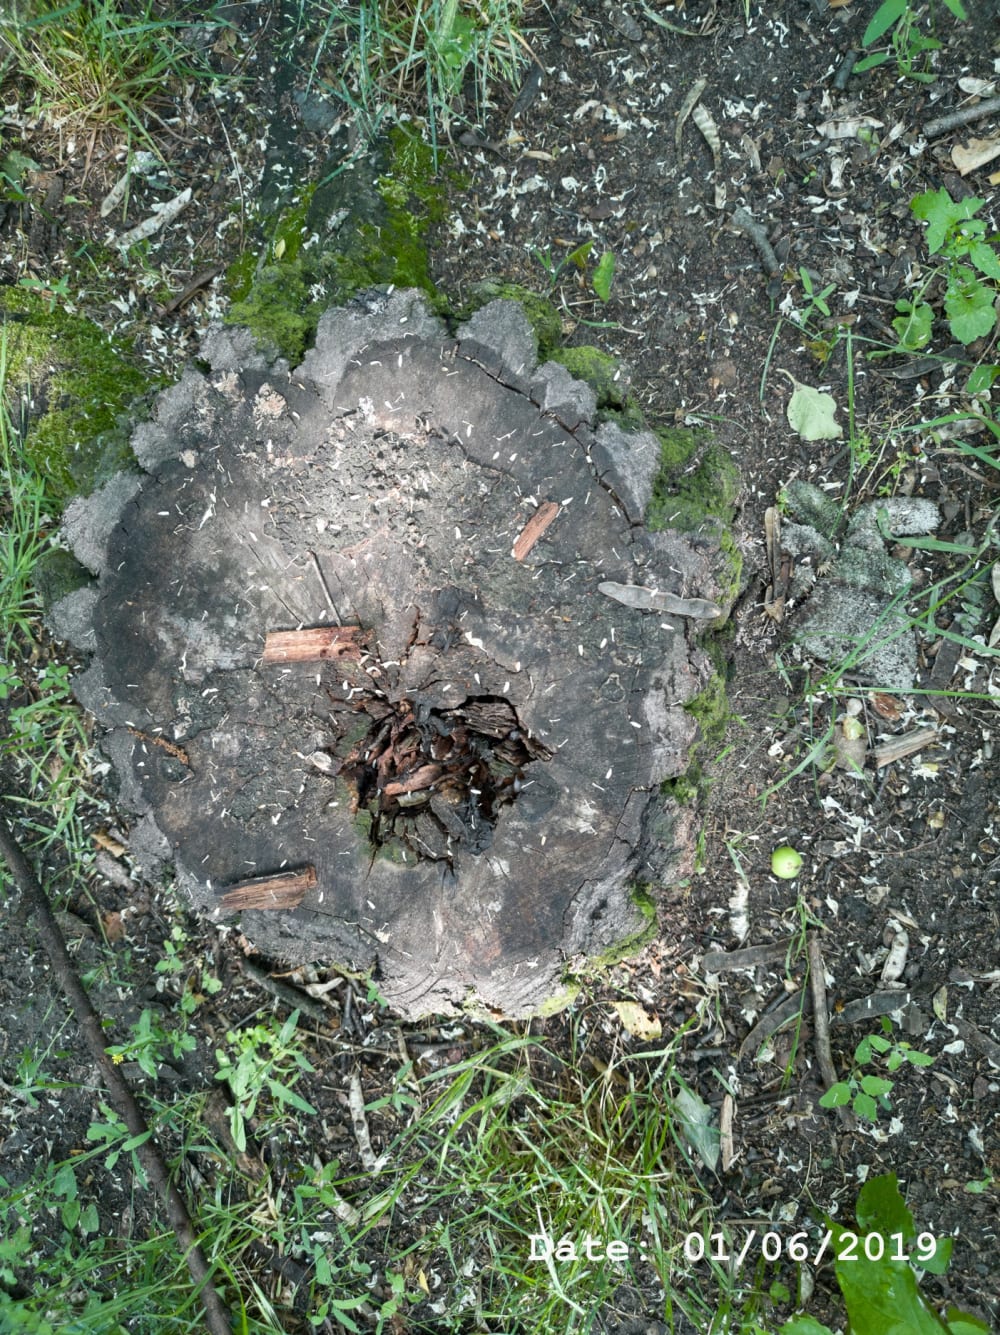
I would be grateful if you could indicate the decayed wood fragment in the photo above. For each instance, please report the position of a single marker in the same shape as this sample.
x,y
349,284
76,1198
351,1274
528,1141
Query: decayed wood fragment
x,y
286,890
534,529
314,645
897,748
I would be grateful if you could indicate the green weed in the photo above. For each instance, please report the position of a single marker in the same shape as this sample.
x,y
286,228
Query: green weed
x,y
970,267
865,1091
425,56
874,1268
909,47
264,1060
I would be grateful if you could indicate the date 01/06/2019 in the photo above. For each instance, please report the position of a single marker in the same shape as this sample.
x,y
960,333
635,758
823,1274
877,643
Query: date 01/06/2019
x,y
772,1246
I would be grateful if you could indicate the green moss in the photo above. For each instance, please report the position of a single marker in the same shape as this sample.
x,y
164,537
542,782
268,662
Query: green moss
x,y
603,373
57,574
541,314
689,496
710,710
375,225
80,384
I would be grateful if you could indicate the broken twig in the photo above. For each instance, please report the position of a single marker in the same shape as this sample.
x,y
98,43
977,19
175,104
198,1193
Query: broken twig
x,y
534,529
959,118
821,1021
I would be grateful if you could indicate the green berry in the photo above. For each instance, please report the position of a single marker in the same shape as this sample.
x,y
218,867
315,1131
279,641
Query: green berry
x,y
786,862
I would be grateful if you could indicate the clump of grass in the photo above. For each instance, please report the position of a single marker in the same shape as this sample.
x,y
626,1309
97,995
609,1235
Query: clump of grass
x,y
97,63
425,56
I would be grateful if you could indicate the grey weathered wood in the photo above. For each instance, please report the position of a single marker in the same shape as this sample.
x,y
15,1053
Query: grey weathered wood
x,y
390,482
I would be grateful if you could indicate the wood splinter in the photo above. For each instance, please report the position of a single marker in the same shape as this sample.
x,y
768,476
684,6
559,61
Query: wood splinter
x,y
286,890
534,529
314,645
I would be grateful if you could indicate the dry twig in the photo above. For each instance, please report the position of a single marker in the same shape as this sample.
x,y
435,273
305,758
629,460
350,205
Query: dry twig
x,y
821,1020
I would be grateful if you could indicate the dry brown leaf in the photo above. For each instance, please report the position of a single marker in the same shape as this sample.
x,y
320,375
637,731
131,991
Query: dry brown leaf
x,y
637,1021
976,153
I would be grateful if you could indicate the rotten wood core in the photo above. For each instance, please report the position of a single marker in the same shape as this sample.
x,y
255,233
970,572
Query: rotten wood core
x,y
422,779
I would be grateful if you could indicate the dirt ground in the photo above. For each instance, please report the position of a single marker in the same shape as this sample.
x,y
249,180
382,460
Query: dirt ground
x,y
708,322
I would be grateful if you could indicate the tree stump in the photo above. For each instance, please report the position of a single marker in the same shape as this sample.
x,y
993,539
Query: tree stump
x,y
384,658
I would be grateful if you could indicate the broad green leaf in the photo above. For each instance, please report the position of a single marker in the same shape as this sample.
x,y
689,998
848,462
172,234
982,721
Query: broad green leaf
x,y
804,1325
812,414
961,1323
875,1085
969,306
866,1107
913,325
883,1298
980,380
942,214
919,1058
985,258
880,1206
888,13
836,1096
604,274
957,8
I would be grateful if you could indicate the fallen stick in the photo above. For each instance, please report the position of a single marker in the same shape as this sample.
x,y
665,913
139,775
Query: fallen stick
x,y
216,1315
821,1021
959,118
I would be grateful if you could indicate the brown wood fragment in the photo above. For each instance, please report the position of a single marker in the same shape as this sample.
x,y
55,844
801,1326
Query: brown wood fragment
x,y
286,890
534,529
171,748
314,645
897,748
411,783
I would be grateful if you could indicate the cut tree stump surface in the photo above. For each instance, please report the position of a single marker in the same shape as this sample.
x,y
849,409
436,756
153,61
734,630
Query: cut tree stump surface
x,y
453,748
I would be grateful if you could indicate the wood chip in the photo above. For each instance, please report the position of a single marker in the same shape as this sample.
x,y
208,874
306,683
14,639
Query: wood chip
x,y
897,748
315,645
286,890
534,529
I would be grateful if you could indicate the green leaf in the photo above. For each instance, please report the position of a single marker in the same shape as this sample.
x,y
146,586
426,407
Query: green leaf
x,y
913,325
879,1043
985,258
883,1298
696,1119
836,1096
812,414
981,379
961,1323
875,1085
968,304
804,1325
942,214
866,1107
578,257
604,274
957,8
886,16
919,1058
870,62
880,1206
